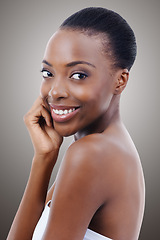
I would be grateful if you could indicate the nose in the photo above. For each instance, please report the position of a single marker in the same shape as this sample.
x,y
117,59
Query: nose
x,y
58,90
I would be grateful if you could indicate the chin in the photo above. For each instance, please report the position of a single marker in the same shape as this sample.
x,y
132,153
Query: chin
x,y
64,131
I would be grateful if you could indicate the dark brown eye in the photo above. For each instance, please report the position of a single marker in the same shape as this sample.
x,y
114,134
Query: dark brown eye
x,y
78,76
46,74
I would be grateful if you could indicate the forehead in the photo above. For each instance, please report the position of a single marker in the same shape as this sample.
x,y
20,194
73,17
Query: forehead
x,y
68,45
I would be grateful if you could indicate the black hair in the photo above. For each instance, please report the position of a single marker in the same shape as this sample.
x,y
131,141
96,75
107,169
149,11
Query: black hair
x,y
97,20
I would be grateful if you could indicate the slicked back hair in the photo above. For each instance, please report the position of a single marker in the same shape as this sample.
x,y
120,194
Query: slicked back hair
x,y
118,37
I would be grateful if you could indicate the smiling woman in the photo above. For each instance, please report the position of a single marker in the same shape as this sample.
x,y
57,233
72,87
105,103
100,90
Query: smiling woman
x,y
99,190
79,77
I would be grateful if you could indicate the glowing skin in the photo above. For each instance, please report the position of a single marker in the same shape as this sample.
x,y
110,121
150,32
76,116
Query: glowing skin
x,y
77,76
100,183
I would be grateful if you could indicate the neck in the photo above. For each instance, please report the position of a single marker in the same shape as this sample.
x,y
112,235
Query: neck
x,y
110,117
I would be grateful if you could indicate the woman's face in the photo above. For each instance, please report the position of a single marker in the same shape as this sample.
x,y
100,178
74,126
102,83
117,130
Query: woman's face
x,y
78,81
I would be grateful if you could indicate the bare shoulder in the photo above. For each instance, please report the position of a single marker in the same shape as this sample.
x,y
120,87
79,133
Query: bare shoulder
x,y
84,155
106,158
97,155
84,170
99,167
78,182
90,153
102,150
88,149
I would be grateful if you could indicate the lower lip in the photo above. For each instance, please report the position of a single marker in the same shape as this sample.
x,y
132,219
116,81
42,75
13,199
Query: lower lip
x,y
63,117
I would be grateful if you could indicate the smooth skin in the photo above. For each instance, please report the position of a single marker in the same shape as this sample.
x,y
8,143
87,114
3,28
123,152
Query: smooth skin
x,y
100,183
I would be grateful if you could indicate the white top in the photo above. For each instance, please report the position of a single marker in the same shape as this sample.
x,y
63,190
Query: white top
x,y
41,225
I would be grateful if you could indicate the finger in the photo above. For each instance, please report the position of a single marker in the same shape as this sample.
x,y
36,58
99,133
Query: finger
x,y
46,115
39,106
38,114
45,103
53,135
38,102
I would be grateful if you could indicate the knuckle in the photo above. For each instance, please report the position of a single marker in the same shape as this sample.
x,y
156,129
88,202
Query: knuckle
x,y
26,117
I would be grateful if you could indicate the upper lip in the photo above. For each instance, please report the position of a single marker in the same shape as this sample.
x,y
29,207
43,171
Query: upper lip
x,y
62,107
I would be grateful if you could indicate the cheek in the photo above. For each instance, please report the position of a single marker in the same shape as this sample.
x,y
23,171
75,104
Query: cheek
x,y
105,97
97,94
91,98
84,93
100,98
44,89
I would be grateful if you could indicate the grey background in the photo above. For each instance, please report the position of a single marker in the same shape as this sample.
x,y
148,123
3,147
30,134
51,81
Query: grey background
x,y
25,27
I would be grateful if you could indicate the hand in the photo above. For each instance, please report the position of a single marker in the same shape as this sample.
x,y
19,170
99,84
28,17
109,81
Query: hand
x,y
40,126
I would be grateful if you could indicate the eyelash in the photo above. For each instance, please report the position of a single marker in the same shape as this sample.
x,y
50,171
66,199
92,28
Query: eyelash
x,y
79,73
44,70
76,73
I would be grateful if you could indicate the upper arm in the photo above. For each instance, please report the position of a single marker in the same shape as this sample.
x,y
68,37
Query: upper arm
x,y
77,194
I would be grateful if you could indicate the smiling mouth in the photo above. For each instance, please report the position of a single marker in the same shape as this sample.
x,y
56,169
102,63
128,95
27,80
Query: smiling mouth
x,y
65,111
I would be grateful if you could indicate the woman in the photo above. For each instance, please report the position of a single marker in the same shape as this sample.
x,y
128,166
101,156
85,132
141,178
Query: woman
x,y
99,190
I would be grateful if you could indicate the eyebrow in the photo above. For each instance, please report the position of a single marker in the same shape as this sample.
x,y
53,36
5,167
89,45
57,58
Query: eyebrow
x,y
72,64
44,61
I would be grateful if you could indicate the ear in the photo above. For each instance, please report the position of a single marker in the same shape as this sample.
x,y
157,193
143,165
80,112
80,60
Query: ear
x,y
121,82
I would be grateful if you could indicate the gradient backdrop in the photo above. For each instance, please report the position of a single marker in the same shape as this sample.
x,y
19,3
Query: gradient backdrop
x,y
26,27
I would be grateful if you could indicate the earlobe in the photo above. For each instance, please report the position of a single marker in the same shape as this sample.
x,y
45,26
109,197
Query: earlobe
x,y
121,82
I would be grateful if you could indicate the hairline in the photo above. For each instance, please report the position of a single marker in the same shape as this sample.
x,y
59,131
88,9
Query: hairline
x,y
107,48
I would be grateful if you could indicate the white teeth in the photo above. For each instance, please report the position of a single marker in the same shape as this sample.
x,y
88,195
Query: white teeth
x,y
56,111
61,112
65,111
